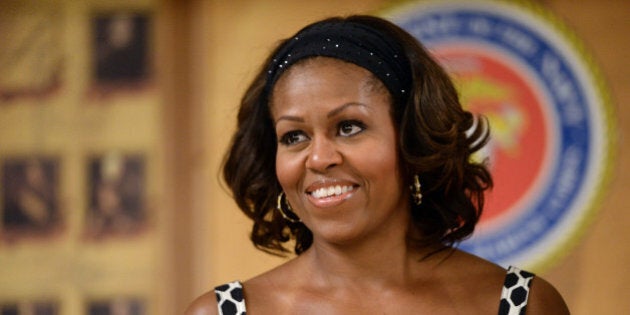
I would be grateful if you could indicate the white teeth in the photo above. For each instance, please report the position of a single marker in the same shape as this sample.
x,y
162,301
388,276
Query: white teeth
x,y
331,191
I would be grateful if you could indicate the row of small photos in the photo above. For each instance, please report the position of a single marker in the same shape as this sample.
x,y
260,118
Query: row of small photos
x,y
119,306
31,205
120,46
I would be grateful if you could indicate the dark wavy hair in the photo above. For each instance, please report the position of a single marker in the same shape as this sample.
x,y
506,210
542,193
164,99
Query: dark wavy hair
x,y
436,140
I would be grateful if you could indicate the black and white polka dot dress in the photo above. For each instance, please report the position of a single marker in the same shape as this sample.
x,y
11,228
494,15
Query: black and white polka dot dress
x,y
230,299
515,292
514,295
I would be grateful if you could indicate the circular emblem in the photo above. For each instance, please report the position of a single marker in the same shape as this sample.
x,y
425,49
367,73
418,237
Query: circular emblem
x,y
549,115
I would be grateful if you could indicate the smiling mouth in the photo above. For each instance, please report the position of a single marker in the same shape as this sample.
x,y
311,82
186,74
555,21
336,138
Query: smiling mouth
x,y
331,191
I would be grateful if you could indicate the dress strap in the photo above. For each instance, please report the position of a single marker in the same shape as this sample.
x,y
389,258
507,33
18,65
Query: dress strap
x,y
515,291
230,299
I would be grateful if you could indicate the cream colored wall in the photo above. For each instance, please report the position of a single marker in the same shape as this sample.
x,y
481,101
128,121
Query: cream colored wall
x,y
235,36
594,277
72,124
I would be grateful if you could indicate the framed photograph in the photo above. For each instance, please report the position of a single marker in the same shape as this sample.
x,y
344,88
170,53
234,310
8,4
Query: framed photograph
x,y
30,204
118,306
31,58
30,308
116,195
121,52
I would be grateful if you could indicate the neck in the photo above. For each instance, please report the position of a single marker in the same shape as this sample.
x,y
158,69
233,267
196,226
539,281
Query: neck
x,y
377,262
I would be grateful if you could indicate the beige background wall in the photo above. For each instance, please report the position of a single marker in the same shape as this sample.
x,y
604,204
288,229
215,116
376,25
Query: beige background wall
x,y
73,124
206,52
232,38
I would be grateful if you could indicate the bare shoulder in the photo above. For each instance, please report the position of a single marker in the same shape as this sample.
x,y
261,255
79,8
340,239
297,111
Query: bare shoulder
x,y
273,291
545,299
477,269
205,304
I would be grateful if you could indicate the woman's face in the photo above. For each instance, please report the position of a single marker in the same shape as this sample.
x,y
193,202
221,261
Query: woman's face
x,y
337,156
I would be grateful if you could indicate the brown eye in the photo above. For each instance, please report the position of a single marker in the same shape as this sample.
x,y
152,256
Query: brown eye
x,y
293,137
350,128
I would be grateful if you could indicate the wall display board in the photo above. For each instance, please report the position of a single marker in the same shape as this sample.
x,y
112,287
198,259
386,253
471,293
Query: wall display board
x,y
81,159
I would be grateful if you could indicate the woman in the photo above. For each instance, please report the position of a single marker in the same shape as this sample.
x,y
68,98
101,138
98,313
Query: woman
x,y
353,148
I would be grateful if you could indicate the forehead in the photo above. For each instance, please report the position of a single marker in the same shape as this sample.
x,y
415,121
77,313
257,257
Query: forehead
x,y
306,70
324,85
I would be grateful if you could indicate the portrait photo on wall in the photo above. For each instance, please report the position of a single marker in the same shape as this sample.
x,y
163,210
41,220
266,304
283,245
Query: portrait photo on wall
x,y
116,195
32,55
117,306
121,50
43,307
30,201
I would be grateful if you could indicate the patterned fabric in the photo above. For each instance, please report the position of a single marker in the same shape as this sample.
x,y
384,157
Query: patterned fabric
x,y
515,292
513,296
230,299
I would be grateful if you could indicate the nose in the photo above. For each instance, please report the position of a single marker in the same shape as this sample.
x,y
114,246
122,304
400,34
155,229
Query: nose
x,y
323,155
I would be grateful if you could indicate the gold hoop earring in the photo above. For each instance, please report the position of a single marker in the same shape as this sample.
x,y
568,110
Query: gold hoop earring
x,y
293,219
416,193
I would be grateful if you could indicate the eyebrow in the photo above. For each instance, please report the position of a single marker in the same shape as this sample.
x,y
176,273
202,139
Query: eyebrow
x,y
332,113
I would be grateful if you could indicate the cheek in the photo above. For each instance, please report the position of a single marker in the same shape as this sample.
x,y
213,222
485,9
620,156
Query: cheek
x,y
287,171
383,163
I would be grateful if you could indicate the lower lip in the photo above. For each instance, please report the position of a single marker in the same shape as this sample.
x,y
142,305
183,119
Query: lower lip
x,y
331,201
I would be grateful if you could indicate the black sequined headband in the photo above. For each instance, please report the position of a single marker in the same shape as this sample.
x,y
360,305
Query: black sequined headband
x,y
349,41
